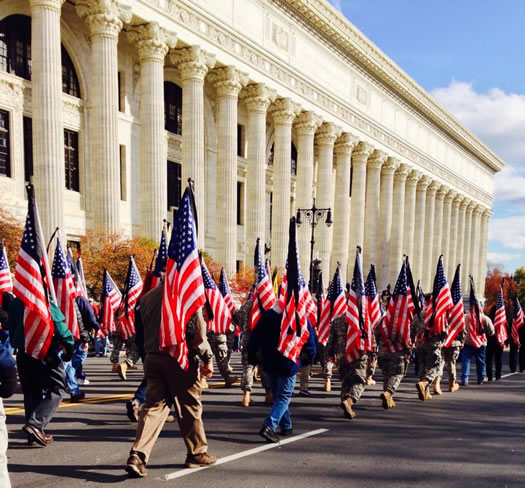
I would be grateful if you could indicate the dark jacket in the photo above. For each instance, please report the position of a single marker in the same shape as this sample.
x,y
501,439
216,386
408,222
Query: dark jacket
x,y
263,343
7,371
88,315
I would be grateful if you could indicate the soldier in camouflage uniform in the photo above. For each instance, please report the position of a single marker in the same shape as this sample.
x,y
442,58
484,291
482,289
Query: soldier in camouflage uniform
x,y
353,375
241,317
327,366
450,357
219,346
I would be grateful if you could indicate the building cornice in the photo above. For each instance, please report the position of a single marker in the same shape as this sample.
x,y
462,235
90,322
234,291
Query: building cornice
x,y
342,33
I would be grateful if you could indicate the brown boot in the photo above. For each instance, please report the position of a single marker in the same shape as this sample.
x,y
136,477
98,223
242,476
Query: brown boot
x,y
268,398
327,384
421,389
122,370
370,381
204,384
346,405
230,380
428,396
437,386
453,386
114,368
388,401
246,400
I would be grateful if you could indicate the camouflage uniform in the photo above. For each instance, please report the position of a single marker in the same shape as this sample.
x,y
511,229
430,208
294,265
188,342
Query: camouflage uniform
x,y
219,346
241,317
324,358
393,366
132,355
353,375
428,350
451,354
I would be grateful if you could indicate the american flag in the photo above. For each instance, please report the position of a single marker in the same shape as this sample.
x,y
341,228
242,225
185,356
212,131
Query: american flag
x,y
65,289
500,319
359,333
395,329
220,319
294,324
372,298
263,296
456,315
160,261
304,296
81,277
331,307
477,333
183,285
440,302
224,287
517,321
110,300
73,271
5,275
34,285
132,292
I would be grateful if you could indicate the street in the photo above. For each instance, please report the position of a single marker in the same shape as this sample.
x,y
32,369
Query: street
x,y
472,438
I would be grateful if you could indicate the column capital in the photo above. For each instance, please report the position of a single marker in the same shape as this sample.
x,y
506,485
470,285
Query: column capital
x,y
376,159
433,187
152,41
471,206
463,203
362,152
284,111
413,178
450,196
327,134
345,143
103,17
306,123
228,81
389,166
50,4
478,210
258,97
423,183
192,62
487,213
457,200
441,192
401,173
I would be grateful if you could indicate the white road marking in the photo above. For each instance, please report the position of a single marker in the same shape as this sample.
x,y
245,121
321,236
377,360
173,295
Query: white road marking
x,y
249,452
507,375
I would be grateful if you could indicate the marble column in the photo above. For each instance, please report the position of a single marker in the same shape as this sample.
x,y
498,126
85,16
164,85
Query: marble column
x,y
306,123
152,43
193,64
475,245
48,129
257,98
104,19
385,222
283,111
325,139
410,214
438,228
463,204
228,82
373,185
419,233
467,243
428,254
484,243
398,206
360,157
453,235
343,151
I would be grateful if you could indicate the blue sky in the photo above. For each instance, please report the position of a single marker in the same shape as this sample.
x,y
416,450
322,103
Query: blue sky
x,y
469,54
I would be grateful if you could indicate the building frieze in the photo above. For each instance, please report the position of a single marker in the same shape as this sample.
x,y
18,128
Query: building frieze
x,y
253,56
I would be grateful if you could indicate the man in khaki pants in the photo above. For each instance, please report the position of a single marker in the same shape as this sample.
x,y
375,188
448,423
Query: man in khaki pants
x,y
168,384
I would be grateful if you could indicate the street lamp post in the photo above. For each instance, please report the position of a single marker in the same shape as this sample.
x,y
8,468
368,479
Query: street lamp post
x,y
313,215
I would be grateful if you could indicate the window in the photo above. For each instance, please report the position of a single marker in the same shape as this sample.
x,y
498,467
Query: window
x,y
241,141
121,92
293,162
15,45
28,148
71,159
69,76
123,176
240,203
5,154
174,184
173,107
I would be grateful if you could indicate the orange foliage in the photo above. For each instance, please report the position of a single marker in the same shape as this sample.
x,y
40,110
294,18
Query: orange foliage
x,y
11,231
492,287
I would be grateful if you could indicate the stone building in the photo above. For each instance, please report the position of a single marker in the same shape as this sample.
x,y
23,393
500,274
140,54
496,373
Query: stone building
x,y
108,107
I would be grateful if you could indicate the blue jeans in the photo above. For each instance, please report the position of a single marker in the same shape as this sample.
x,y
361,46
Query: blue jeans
x,y
101,346
71,380
466,357
79,356
140,394
282,389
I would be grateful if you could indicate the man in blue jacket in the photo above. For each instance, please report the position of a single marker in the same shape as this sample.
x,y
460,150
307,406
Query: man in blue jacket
x,y
281,371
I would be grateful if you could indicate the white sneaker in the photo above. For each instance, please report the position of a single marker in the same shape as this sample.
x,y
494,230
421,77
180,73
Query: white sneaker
x,y
84,381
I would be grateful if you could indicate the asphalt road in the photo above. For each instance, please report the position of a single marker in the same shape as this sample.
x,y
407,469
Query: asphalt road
x,y
472,438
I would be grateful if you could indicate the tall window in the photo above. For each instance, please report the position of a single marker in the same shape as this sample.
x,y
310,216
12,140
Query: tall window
x,y
240,203
123,173
71,159
351,176
15,45
121,91
174,184
5,154
173,107
241,141
293,162
28,148
69,76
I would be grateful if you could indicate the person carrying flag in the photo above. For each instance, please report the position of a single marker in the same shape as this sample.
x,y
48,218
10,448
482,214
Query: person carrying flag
x,y
279,338
517,351
497,342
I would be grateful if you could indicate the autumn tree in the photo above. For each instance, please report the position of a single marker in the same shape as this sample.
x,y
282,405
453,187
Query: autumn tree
x,y
11,231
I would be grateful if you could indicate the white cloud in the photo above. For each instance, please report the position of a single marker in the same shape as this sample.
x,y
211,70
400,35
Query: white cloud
x,y
500,258
508,231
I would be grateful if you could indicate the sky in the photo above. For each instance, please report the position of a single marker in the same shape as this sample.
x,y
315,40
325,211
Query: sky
x,y
469,55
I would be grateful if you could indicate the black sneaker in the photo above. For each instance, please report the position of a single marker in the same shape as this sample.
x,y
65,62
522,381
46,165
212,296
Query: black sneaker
x,y
304,393
286,432
268,434
135,467
77,397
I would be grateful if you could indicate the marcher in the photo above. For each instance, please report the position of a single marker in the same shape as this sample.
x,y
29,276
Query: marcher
x,y
167,384
219,346
450,358
494,352
470,350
